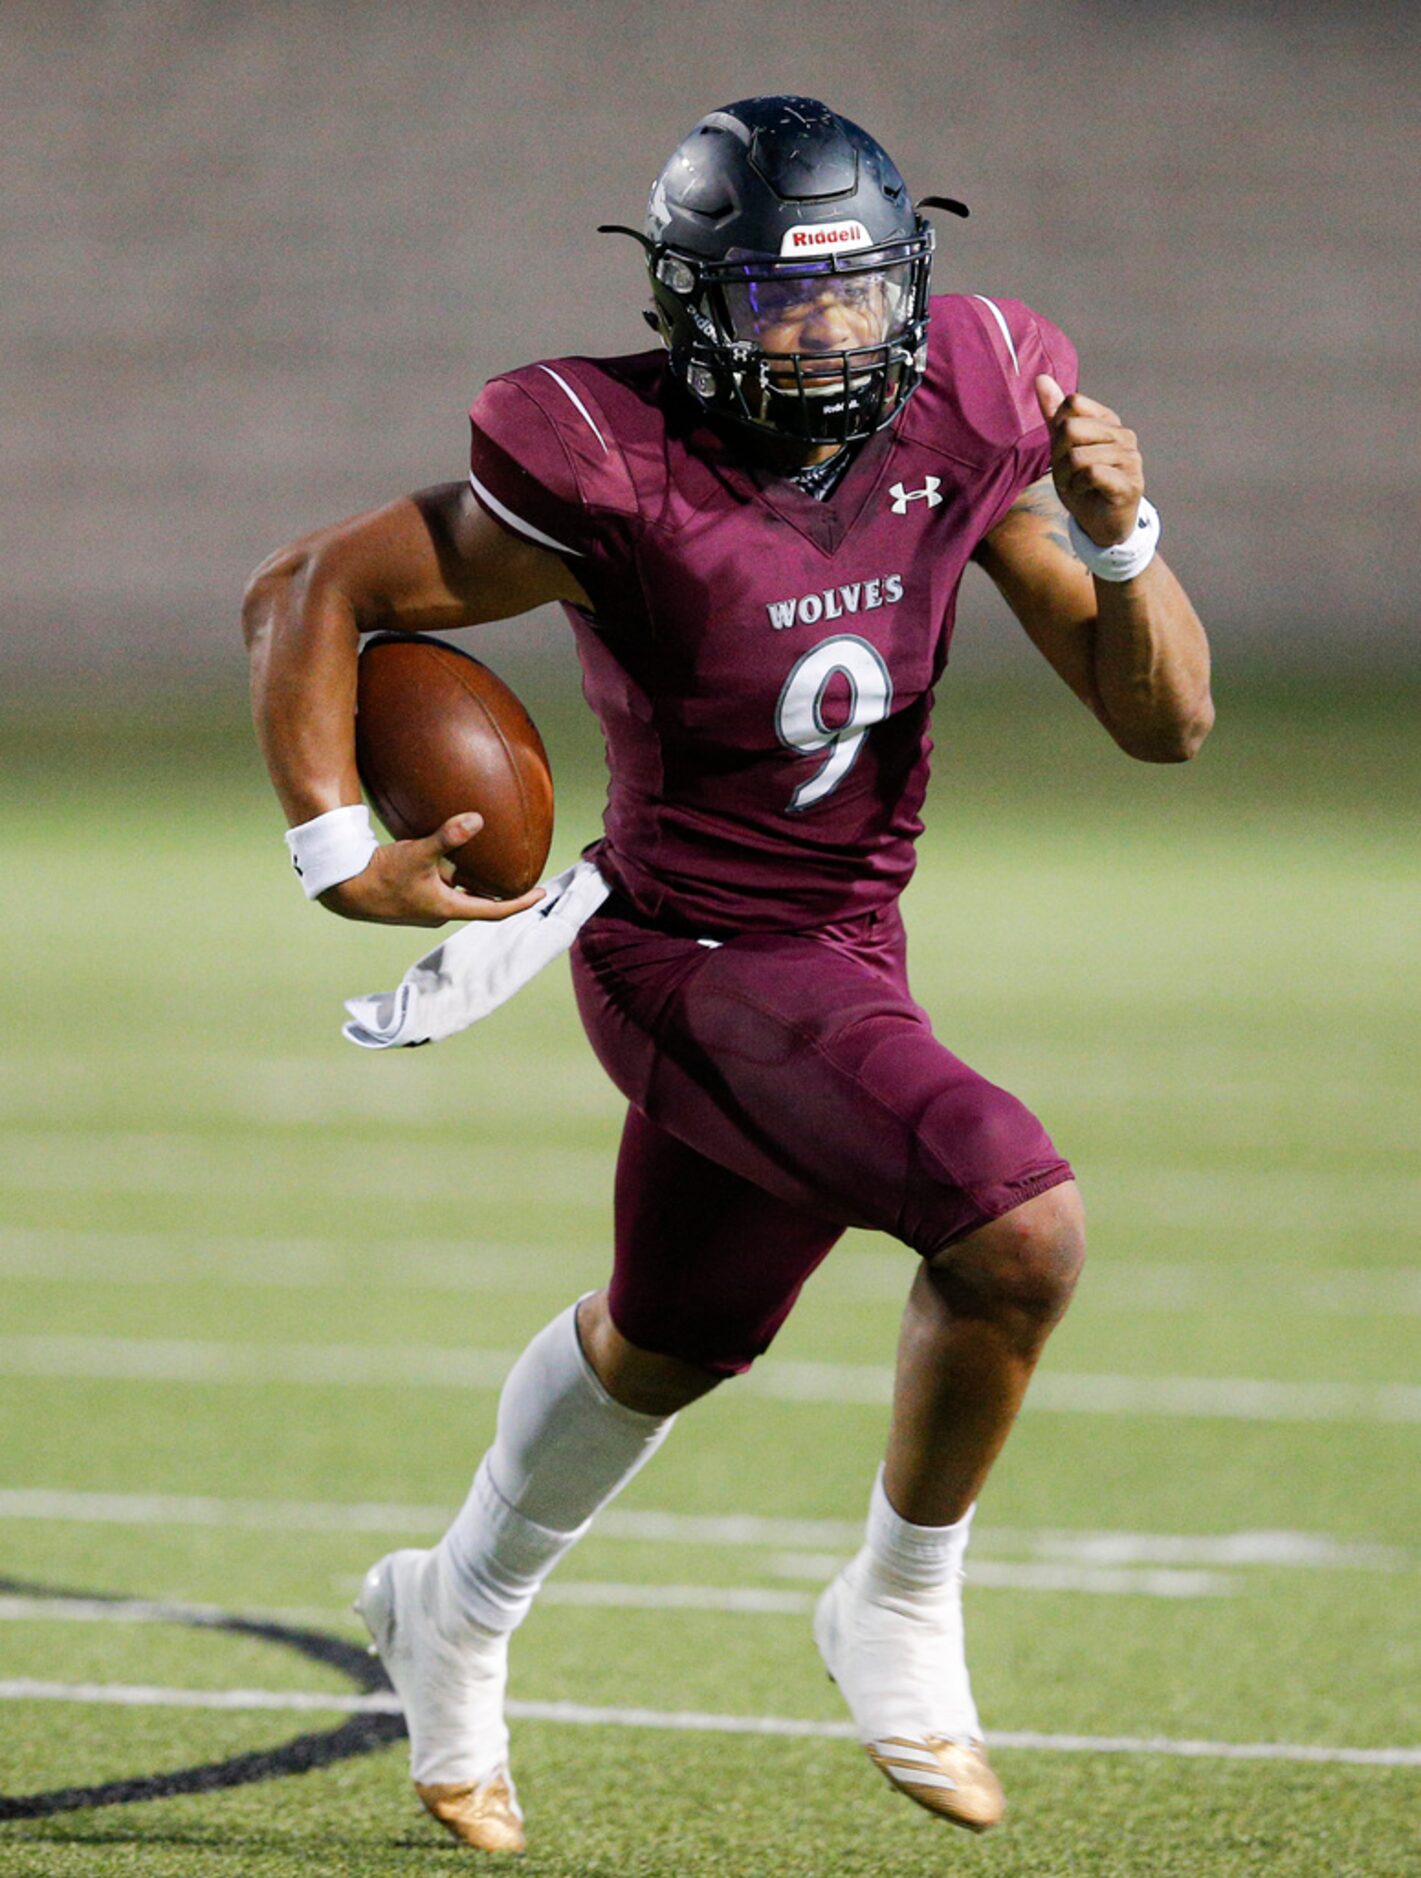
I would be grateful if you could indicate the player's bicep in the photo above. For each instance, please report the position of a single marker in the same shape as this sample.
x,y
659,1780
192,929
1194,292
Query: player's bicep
x,y
1029,559
434,561
493,572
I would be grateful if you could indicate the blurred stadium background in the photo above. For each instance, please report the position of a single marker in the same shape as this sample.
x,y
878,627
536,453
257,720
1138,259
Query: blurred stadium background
x,y
260,257
255,1290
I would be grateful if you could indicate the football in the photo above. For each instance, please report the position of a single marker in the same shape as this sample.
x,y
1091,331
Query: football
x,y
437,732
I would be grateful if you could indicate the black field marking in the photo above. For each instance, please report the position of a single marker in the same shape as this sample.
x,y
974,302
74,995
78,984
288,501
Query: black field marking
x,y
362,1734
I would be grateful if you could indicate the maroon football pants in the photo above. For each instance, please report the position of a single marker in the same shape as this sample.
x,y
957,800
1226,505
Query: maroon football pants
x,y
782,1087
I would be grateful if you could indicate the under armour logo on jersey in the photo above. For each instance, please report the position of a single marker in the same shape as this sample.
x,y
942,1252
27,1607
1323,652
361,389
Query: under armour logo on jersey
x,y
928,493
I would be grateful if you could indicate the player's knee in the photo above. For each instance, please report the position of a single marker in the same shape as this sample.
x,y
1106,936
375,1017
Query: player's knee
x,y
644,1380
1023,1266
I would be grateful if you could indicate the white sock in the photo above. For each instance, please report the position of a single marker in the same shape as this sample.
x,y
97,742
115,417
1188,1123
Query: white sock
x,y
563,1449
904,1557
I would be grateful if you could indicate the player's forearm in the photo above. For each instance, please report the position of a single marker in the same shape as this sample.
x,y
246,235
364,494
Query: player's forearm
x,y
1151,666
302,636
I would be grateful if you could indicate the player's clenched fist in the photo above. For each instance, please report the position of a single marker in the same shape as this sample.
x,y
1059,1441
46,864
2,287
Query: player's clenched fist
x,y
1095,462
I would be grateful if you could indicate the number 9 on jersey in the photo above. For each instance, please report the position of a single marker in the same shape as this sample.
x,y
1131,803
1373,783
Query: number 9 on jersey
x,y
799,715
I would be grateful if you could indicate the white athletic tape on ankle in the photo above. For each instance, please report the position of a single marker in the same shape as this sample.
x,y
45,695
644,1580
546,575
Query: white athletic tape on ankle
x,y
331,848
922,1556
1123,559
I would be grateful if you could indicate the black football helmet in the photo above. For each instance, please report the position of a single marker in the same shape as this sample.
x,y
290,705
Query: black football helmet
x,y
790,272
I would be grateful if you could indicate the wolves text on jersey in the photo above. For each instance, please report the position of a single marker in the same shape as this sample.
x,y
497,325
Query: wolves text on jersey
x,y
834,602
762,663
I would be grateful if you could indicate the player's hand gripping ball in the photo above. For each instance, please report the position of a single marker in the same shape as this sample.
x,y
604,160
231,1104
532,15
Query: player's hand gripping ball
x,y
1095,462
437,733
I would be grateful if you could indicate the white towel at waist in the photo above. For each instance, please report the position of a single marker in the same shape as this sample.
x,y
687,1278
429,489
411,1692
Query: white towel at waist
x,y
478,968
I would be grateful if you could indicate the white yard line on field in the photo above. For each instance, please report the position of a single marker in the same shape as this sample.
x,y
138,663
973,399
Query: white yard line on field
x,y
306,1090
731,1600
47,1610
145,1695
265,1262
140,1359
815,1537
1267,1289
1227,1398
691,1721
121,1160
82,1507
268,1262
735,1600
752,1600
155,1161
990,1574
1240,1398
1200,1077
1279,1548
1002,1575
1287,1549
302,1092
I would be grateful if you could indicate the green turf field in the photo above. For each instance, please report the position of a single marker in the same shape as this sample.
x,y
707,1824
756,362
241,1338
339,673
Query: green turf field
x,y
258,1289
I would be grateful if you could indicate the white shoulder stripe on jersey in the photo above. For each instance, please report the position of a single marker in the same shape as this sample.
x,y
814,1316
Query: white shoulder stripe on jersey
x,y
1001,319
495,507
559,379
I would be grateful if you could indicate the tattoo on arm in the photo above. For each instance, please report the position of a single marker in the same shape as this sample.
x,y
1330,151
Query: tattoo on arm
x,y
1041,499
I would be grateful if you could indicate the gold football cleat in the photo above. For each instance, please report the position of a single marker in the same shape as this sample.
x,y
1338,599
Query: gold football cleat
x,y
485,1816
951,1779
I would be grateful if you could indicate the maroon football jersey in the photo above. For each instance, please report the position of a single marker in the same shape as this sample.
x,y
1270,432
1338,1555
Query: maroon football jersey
x,y
763,663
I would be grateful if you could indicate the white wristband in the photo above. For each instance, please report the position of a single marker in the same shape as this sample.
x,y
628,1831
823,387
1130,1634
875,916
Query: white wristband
x,y
331,848
1124,559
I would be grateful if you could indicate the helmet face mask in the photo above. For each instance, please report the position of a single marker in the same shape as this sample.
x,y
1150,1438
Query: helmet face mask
x,y
822,352
790,273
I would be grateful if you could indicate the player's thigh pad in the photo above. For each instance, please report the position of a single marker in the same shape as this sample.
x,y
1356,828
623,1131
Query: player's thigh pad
x,y
804,1065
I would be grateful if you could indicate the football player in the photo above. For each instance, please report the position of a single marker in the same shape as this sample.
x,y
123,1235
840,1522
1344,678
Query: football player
x,y
757,530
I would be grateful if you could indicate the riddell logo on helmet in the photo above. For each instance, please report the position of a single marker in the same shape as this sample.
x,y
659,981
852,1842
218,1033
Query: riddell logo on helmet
x,y
811,236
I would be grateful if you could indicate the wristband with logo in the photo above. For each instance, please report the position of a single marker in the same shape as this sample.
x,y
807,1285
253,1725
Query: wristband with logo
x,y
1123,559
332,848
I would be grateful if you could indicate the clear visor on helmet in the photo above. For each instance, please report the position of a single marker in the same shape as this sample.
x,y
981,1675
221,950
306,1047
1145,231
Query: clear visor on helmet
x,y
820,310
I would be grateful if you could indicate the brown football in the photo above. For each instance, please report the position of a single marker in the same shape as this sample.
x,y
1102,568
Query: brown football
x,y
436,732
